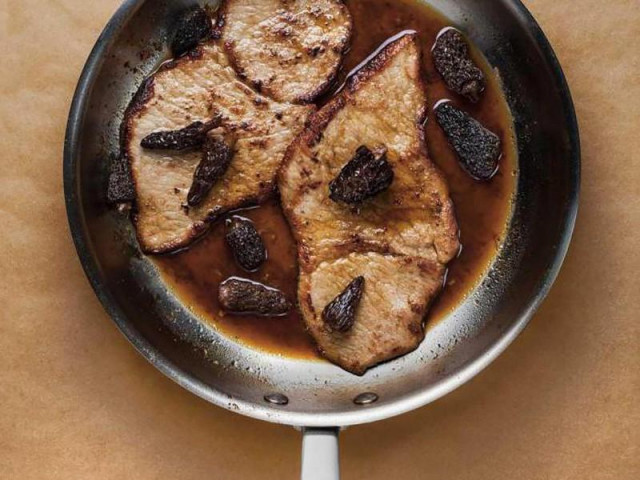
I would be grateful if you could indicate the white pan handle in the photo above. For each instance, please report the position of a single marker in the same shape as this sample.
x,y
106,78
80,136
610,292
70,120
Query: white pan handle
x,y
320,458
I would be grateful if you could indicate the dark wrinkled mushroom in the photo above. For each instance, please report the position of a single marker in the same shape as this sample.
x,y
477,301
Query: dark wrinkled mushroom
x,y
240,296
216,158
245,243
120,188
191,27
340,314
453,62
363,177
187,138
477,148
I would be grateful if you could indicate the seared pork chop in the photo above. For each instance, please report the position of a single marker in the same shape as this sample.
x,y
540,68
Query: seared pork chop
x,y
289,50
199,87
400,240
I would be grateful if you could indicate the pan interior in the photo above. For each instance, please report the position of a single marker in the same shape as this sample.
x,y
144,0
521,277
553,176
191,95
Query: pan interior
x,y
237,377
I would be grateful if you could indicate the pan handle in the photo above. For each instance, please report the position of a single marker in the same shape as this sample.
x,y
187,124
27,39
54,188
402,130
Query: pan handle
x,y
320,459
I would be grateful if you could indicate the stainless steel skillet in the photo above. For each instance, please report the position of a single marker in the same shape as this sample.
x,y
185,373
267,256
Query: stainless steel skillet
x,y
317,396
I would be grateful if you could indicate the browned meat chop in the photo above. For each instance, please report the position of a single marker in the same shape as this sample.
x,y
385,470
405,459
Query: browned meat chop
x,y
199,87
290,50
400,240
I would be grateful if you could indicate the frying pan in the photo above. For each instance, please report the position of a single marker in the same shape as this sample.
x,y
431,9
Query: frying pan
x,y
316,396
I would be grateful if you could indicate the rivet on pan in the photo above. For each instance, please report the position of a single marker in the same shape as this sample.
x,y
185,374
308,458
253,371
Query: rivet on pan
x,y
366,398
276,399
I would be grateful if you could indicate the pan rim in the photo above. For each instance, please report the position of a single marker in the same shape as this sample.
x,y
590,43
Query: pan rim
x,y
274,414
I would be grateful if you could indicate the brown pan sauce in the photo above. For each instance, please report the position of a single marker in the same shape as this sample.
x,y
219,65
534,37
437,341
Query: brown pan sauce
x,y
482,209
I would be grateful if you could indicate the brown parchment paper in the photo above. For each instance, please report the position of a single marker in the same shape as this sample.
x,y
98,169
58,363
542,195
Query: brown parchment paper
x,y
77,402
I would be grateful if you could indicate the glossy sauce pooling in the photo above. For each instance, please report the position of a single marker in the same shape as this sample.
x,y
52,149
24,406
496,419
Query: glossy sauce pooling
x,y
482,209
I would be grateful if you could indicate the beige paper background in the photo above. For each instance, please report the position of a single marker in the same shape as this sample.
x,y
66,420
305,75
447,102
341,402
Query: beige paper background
x,y
77,402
